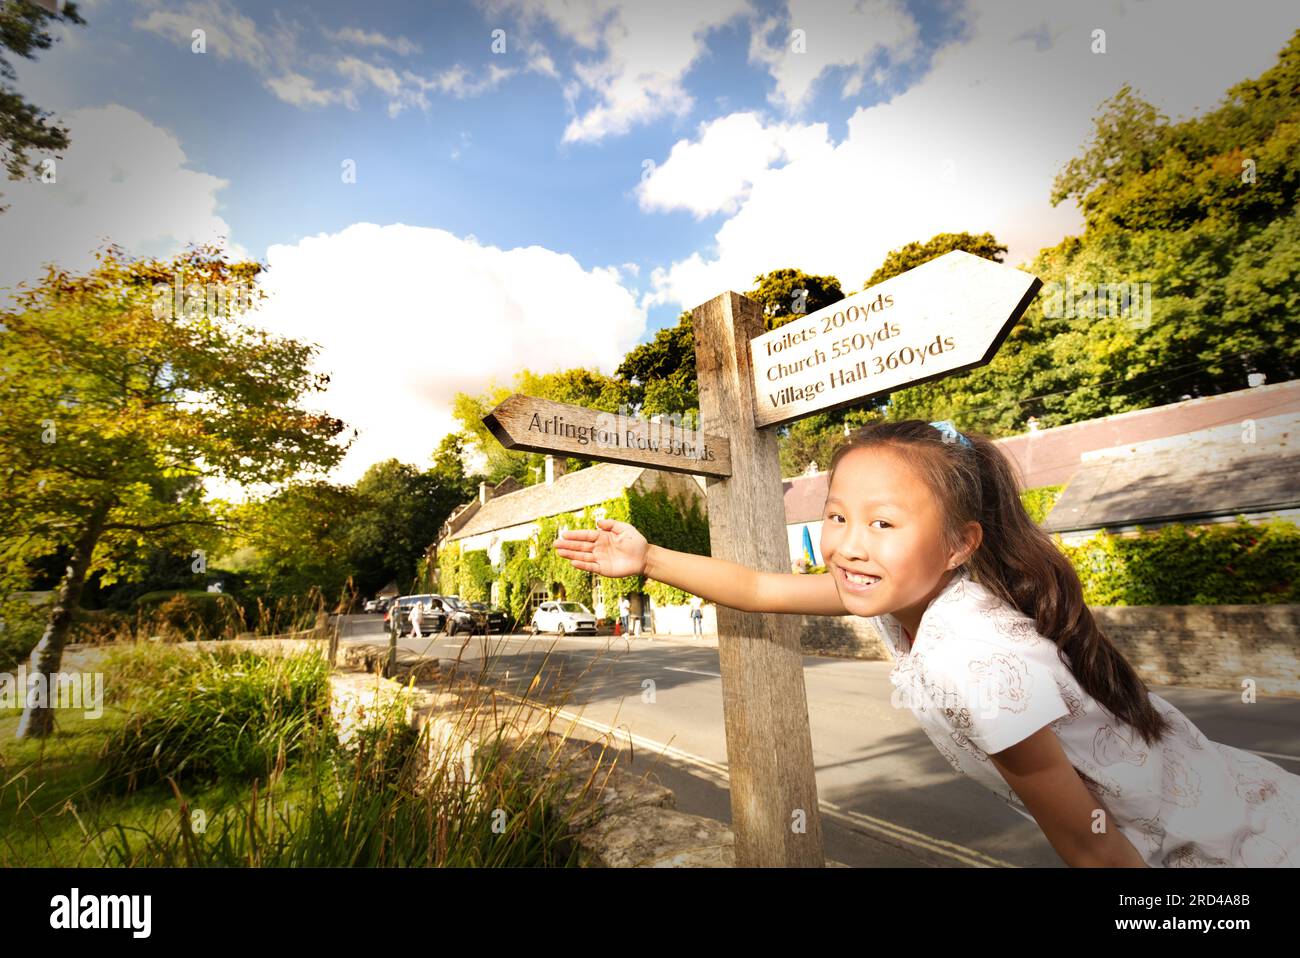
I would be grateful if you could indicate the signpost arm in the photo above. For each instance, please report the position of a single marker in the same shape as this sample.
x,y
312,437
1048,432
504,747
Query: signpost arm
x,y
774,809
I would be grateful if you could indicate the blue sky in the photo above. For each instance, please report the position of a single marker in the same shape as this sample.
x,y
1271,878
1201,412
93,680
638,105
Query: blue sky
x,y
555,203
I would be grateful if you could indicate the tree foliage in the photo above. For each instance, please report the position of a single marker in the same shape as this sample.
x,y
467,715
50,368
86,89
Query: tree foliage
x,y
914,254
114,404
25,127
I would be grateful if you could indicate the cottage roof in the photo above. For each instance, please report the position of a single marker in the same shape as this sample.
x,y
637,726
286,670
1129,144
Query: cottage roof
x,y
1210,473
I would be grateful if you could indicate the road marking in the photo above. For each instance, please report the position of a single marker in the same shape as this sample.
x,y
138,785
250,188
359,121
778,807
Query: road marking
x,y
890,832
716,675
1288,758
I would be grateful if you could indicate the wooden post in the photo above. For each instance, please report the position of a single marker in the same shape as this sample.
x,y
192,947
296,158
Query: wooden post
x,y
774,811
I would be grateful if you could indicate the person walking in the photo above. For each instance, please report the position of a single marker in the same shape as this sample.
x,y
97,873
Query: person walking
x,y
697,616
624,612
416,616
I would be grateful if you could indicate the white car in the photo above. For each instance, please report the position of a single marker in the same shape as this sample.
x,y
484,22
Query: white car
x,y
569,618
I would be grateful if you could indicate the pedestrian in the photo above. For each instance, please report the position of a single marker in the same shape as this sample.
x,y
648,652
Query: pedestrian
x,y
998,657
697,616
417,618
624,613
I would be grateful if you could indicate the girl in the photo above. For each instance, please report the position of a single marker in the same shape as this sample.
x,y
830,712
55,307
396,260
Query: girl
x,y
998,657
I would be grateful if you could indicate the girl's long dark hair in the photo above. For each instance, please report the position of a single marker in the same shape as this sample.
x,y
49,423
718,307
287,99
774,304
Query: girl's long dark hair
x,y
1016,561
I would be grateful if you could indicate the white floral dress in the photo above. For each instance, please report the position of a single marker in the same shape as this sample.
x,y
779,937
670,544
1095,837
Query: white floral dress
x,y
979,678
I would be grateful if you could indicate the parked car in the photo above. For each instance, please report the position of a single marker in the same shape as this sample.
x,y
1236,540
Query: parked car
x,y
372,605
398,616
474,617
569,618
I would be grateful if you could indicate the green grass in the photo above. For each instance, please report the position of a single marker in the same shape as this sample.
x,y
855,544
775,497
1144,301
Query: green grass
x,y
222,759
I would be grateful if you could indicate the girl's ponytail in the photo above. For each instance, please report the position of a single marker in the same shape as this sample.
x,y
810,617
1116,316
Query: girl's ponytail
x,y
1017,561
1021,564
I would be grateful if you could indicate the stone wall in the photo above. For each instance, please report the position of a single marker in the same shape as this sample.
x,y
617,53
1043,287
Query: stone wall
x,y
1209,646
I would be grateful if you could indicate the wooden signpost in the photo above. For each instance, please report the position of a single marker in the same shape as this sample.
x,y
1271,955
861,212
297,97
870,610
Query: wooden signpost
x,y
948,315
540,425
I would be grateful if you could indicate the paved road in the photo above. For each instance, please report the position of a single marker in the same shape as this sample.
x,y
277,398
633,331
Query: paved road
x,y
889,798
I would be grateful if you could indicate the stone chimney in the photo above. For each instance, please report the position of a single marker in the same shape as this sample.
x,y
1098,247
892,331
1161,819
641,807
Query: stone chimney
x,y
554,468
484,493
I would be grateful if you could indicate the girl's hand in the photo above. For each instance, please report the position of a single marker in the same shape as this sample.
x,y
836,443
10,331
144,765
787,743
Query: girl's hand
x,y
614,550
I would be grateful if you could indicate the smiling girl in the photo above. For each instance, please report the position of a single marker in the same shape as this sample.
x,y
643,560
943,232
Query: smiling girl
x,y
997,655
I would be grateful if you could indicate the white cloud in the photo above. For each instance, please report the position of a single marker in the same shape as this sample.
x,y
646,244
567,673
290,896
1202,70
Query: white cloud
x,y
644,52
298,90
715,172
361,72
373,38
277,56
408,316
228,34
122,179
973,146
845,34
455,81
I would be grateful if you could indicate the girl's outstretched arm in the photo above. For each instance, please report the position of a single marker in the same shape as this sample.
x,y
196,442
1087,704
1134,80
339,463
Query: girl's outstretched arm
x,y
617,549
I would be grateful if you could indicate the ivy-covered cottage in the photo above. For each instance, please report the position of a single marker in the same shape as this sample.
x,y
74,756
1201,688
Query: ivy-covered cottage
x,y
497,548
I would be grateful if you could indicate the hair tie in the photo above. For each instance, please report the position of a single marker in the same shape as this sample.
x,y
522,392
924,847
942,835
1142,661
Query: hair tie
x,y
948,429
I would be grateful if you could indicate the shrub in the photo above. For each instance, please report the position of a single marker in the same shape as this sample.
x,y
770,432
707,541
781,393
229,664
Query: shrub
x,y
204,715
1227,564
193,614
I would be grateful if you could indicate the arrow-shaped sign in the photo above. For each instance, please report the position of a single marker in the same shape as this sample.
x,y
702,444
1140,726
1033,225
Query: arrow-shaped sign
x,y
947,315
541,425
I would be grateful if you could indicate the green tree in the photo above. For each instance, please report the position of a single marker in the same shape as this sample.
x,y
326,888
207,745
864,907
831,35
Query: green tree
x,y
449,464
109,397
399,513
787,294
299,539
659,375
914,254
815,438
23,126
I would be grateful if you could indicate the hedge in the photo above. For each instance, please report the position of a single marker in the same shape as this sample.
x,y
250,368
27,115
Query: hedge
x,y
1239,563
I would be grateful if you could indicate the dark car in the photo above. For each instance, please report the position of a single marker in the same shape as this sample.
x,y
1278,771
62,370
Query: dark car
x,y
474,617
398,616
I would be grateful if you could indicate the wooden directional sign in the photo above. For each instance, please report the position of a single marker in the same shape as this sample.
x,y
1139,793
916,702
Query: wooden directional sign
x,y
540,425
945,316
